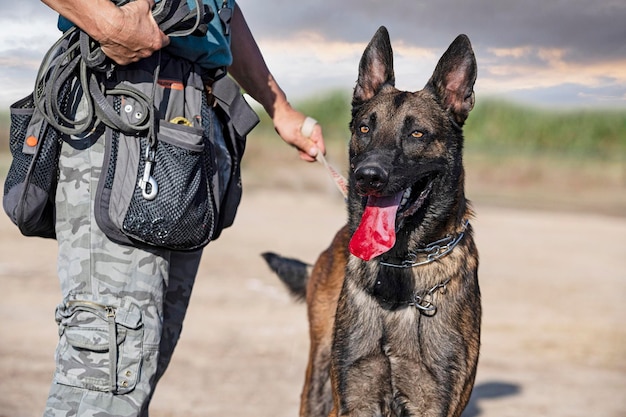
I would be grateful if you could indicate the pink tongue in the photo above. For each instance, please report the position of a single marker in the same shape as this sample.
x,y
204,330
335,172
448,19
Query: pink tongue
x,y
376,233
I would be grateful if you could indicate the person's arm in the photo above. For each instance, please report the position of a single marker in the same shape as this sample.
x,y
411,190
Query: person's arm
x,y
126,34
251,72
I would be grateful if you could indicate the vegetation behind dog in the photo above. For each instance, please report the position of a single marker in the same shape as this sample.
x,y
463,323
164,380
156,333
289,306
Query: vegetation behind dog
x,y
515,154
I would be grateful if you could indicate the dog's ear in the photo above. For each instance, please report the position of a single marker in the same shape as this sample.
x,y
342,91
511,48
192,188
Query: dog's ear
x,y
375,68
453,79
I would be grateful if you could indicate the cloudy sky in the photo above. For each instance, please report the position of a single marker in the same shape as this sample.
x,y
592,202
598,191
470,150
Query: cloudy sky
x,y
545,52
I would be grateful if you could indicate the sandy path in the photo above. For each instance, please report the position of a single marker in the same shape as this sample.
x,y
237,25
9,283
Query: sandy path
x,y
554,296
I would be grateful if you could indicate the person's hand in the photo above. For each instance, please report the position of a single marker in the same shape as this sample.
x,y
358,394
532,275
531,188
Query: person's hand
x,y
288,124
130,33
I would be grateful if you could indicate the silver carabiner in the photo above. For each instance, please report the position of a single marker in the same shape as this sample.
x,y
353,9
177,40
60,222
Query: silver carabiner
x,y
154,188
148,179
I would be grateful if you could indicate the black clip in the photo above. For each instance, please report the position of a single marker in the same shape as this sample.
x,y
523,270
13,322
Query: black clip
x,y
225,14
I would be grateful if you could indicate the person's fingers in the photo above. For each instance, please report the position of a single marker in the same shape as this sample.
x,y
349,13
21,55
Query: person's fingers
x,y
307,126
305,156
165,40
307,147
140,37
313,142
318,138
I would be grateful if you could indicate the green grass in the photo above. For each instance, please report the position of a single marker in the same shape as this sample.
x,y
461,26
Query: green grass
x,y
494,127
498,127
514,155
512,151
4,130
501,127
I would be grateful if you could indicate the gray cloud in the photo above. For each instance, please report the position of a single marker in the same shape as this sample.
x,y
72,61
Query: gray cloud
x,y
588,30
555,34
590,37
27,30
24,10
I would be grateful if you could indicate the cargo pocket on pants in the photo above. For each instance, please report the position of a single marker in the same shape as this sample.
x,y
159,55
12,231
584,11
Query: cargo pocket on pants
x,y
100,346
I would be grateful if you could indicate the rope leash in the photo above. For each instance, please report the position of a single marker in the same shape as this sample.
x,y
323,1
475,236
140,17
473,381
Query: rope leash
x,y
338,179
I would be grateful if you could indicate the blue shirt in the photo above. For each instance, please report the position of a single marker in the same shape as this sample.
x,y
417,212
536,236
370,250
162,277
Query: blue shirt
x,y
210,51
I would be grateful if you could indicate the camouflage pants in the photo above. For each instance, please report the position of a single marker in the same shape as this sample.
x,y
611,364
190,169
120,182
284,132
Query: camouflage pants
x,y
122,308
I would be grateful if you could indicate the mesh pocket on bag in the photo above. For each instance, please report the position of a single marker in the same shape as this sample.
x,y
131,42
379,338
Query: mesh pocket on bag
x,y
32,177
182,215
21,115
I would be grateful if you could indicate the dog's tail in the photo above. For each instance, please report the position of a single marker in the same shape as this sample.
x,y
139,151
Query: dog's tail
x,y
292,272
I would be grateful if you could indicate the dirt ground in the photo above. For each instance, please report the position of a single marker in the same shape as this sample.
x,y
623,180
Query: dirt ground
x,y
554,299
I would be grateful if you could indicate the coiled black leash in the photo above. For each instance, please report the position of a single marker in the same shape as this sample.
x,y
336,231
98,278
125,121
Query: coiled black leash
x,y
76,63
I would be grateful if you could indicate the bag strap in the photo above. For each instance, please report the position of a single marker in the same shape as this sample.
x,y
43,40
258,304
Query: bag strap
x,y
228,96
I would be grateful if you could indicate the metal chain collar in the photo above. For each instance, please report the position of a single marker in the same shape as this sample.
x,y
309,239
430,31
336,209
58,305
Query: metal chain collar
x,y
433,251
424,303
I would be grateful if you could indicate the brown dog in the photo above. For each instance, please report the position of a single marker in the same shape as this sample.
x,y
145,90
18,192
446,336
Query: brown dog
x,y
394,303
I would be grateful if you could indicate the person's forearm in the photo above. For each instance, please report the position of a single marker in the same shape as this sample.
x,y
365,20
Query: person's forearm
x,y
95,17
249,68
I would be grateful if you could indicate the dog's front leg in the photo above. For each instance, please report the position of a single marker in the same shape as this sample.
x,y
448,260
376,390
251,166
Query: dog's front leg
x,y
316,398
359,368
323,291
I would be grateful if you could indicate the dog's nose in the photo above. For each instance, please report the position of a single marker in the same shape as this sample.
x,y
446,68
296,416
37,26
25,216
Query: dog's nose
x,y
371,178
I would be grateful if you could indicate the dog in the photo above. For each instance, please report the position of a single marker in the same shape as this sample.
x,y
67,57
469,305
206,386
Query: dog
x,y
394,303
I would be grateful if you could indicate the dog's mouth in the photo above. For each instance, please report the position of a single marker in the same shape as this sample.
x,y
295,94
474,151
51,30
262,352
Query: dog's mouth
x,y
383,216
413,198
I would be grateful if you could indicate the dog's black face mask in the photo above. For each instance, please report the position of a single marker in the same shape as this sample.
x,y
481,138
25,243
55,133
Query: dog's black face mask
x,y
405,151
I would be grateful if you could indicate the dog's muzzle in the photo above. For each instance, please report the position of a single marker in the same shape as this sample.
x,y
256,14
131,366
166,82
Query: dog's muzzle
x,y
371,178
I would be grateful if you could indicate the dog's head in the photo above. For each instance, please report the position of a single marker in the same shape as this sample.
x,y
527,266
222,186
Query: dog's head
x,y
406,147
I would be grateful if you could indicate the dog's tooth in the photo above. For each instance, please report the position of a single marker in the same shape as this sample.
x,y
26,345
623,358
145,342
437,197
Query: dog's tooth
x,y
405,197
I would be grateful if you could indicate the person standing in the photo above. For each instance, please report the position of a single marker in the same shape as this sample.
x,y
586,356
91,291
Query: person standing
x,y
143,293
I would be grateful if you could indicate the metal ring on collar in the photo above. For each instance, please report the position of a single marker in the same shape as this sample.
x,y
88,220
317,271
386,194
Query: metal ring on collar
x,y
307,127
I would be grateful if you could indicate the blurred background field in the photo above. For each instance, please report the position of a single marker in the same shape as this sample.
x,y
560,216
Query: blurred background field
x,y
515,155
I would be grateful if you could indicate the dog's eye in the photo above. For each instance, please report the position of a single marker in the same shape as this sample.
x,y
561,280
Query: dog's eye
x,y
364,129
417,134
